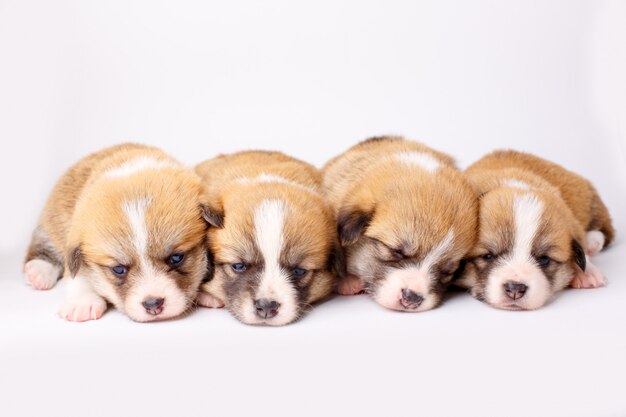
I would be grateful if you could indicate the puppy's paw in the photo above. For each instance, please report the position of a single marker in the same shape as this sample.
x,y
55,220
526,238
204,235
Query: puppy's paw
x,y
41,274
350,285
84,308
592,277
594,242
205,299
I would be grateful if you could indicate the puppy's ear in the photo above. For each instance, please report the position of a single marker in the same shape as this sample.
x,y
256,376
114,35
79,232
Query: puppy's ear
x,y
213,215
74,260
351,223
579,254
211,208
337,260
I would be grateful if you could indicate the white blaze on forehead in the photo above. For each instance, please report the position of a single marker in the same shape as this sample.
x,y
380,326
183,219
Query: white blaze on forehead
x,y
274,285
135,211
527,210
420,159
269,218
416,278
513,183
271,178
139,164
519,266
438,251
149,281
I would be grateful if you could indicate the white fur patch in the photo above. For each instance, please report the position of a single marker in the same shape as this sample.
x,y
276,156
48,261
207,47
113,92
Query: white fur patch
x,y
271,178
520,266
135,211
150,283
274,285
594,242
514,183
422,160
142,163
416,278
527,211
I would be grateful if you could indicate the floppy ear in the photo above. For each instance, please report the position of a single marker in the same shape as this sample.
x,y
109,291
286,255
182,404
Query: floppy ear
x,y
213,215
337,260
351,223
211,208
579,254
74,260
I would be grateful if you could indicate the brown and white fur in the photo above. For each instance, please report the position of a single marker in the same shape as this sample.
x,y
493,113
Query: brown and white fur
x,y
539,224
275,244
125,226
406,217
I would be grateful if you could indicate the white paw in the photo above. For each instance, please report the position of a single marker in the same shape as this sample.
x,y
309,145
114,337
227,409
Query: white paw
x,y
207,300
41,274
350,285
591,278
594,242
83,308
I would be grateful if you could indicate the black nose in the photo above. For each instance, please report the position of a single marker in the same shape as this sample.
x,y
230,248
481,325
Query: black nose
x,y
515,290
153,306
410,300
266,309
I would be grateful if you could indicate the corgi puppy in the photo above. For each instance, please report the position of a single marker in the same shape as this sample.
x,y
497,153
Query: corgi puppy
x,y
539,224
274,242
125,226
406,217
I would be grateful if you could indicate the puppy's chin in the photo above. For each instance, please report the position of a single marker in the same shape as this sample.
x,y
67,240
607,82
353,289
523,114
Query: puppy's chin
x,y
406,289
536,294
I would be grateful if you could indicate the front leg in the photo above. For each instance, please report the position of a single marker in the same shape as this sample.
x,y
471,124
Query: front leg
x,y
350,285
591,277
205,299
82,303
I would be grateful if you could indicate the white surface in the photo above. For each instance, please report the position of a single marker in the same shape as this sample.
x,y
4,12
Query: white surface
x,y
199,78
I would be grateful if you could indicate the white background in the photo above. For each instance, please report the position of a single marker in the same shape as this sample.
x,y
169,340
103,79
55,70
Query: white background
x,y
201,78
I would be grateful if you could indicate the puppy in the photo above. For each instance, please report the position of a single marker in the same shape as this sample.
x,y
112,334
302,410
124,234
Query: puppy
x,y
125,226
275,243
406,217
537,221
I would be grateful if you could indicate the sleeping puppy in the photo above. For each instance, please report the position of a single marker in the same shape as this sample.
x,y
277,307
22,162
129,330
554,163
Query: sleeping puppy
x,y
406,217
539,223
275,243
125,226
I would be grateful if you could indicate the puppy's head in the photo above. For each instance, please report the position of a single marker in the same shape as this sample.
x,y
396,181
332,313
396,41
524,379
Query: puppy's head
x,y
141,241
406,236
276,254
529,248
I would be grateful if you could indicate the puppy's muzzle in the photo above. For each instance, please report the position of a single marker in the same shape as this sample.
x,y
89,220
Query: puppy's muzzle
x,y
266,309
410,300
154,306
515,290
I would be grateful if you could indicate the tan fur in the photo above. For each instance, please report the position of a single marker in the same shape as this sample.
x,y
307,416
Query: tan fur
x,y
83,225
309,232
405,206
569,207
579,194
